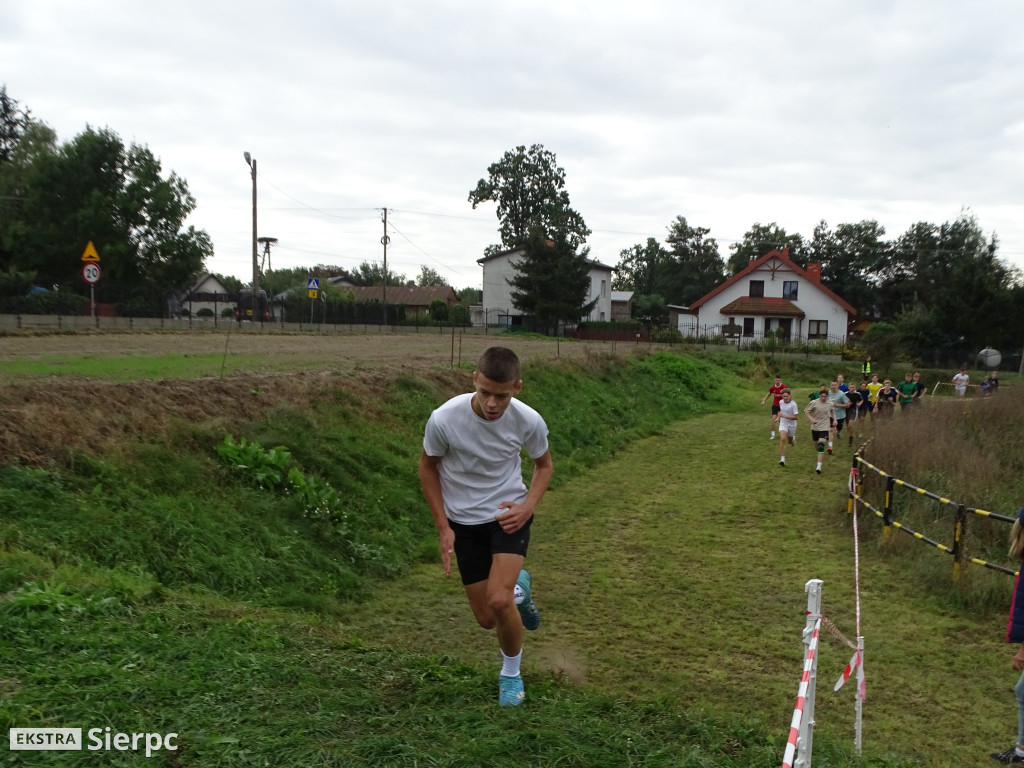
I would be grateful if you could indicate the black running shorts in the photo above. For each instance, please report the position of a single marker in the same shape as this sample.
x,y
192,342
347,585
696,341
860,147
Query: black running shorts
x,y
475,546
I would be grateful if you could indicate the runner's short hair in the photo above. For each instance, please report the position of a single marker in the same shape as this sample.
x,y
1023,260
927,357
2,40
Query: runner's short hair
x,y
499,364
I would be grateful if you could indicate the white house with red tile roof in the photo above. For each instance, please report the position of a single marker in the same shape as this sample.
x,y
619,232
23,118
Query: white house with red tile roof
x,y
770,293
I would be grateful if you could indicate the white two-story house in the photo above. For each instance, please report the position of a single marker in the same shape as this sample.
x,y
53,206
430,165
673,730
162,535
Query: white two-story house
x,y
499,268
771,293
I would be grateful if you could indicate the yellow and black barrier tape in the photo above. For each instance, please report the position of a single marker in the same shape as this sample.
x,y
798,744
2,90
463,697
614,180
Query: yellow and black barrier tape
x,y
993,566
923,492
948,550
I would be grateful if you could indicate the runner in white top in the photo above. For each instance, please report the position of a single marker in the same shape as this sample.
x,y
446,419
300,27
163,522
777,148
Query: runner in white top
x,y
471,473
789,413
960,382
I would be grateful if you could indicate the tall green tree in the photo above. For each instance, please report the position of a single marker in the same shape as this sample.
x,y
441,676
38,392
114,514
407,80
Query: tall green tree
x,y
430,277
946,289
696,265
528,187
651,309
469,296
373,274
953,271
641,268
14,121
93,188
22,139
551,282
762,239
850,257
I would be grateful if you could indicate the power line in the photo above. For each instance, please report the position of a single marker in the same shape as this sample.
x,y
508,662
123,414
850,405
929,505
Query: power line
x,y
414,245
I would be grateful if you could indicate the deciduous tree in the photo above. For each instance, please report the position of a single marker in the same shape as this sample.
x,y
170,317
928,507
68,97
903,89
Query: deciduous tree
x,y
641,268
373,274
95,189
850,258
528,187
696,266
430,277
14,120
761,239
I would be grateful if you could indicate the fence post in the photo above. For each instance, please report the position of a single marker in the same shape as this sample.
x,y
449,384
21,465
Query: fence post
x,y
858,735
806,737
853,484
890,486
859,479
959,531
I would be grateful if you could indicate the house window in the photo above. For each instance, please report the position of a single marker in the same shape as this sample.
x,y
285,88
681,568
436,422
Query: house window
x,y
604,288
789,289
757,289
817,329
748,326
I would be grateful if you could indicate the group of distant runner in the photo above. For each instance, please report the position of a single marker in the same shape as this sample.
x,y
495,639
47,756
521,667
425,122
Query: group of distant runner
x,y
833,407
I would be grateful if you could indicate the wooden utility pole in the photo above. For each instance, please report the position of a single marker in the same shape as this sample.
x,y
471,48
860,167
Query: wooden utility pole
x,y
384,241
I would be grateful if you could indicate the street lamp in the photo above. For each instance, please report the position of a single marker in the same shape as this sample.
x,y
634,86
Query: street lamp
x,y
255,255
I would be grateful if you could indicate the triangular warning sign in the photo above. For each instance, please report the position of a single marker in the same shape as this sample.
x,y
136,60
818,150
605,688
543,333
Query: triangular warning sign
x,y
90,253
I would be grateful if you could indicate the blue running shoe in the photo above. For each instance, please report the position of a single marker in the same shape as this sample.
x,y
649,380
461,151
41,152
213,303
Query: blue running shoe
x,y
510,691
527,608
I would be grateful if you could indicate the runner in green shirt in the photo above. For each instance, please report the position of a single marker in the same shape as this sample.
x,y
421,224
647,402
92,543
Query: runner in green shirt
x,y
907,388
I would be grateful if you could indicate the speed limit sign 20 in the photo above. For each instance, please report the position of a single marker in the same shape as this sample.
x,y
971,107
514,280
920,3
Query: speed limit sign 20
x,y
91,272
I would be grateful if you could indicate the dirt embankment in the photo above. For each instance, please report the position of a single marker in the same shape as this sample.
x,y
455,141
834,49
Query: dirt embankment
x,y
46,417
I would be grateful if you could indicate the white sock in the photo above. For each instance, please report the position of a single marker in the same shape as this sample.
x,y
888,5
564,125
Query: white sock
x,y
819,465
782,460
829,443
510,664
519,595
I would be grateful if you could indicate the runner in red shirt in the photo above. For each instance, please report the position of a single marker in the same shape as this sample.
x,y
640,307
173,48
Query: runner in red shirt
x,y
775,392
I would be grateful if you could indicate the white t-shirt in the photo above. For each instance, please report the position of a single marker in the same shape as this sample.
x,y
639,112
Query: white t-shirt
x,y
788,414
960,382
482,466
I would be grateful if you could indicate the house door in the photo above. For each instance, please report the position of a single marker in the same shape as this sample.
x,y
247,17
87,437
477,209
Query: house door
x,y
784,324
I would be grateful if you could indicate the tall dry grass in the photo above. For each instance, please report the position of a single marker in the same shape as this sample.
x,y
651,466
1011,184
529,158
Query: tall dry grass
x,y
970,452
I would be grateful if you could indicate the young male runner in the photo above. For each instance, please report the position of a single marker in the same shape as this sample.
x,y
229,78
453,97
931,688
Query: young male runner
x,y
821,415
775,392
840,401
789,412
471,473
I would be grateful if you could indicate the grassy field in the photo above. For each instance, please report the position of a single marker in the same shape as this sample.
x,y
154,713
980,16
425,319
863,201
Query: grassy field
x,y
670,560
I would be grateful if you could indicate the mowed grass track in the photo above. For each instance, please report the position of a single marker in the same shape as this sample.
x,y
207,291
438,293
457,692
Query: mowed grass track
x,y
677,572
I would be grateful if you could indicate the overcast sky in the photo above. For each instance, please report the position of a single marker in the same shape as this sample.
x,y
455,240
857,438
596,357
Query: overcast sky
x,y
727,113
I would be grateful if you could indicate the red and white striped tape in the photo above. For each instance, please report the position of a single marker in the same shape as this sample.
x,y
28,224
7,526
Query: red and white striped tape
x,y
856,665
798,712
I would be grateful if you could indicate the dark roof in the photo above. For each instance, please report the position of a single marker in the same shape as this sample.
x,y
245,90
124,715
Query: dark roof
x,y
748,305
782,256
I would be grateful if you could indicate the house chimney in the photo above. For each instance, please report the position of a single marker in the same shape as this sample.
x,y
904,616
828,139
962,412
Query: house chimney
x,y
814,272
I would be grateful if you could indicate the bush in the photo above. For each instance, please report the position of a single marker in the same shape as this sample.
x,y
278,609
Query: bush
x,y
666,336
